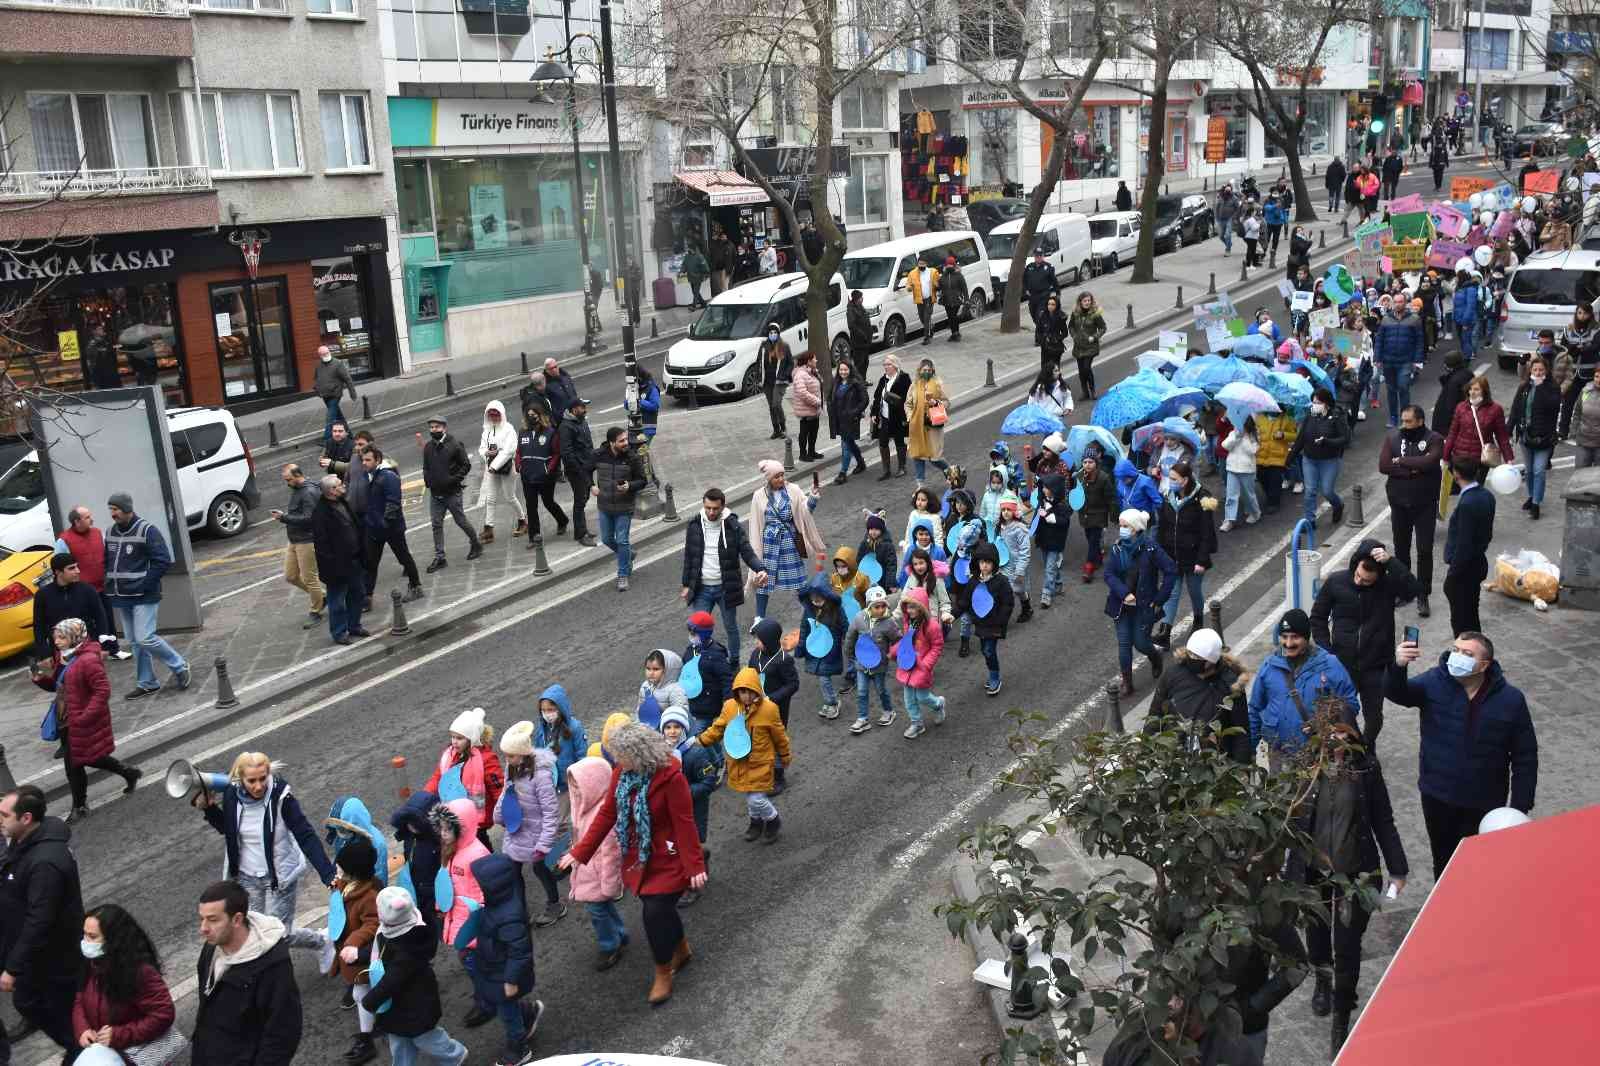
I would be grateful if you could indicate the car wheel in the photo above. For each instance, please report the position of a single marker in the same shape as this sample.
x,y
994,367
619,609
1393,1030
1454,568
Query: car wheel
x,y
841,349
751,384
1085,272
977,305
894,334
228,517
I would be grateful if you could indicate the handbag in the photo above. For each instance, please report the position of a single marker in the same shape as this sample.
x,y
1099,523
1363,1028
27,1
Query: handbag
x,y
168,1049
938,416
1488,454
50,725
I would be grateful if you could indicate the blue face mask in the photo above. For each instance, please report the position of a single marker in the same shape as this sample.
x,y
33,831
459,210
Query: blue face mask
x,y
1124,533
1460,664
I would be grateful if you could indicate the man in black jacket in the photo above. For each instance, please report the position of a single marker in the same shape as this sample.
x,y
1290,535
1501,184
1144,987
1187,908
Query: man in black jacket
x,y
1203,687
339,543
67,596
1353,618
577,462
713,577
249,1001
1391,168
1466,545
1452,390
300,558
1409,460
41,914
560,388
618,478
1038,285
860,333
445,467
952,295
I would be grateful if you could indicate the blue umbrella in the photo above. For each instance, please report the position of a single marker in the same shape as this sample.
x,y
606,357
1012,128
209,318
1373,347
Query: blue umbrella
x,y
1319,375
1290,390
1180,401
1171,427
1133,399
1030,419
1212,372
1079,436
1243,400
1255,347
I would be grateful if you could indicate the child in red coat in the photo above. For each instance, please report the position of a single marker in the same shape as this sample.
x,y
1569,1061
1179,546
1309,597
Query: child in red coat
x,y
481,778
927,642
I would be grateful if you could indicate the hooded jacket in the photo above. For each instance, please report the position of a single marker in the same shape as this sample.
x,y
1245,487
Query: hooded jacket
x,y
1136,490
504,946
1471,755
993,625
716,675
541,814
769,742
1452,391
349,815
675,854
408,984
250,1011
1054,515
1274,716
919,518
568,748
1188,529
1141,567
1099,498
502,438
780,678
360,928
286,852
884,551
1274,451
600,879
420,842
609,470
927,638
445,465
831,664
1356,622
382,504
669,693
857,582
43,904
883,632
1183,692
469,849
732,546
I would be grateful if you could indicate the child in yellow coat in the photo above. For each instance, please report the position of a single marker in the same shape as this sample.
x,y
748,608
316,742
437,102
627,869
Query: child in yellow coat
x,y
754,772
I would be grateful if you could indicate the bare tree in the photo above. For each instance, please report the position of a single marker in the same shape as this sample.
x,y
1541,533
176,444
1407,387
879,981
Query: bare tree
x,y
1571,45
1281,45
1018,48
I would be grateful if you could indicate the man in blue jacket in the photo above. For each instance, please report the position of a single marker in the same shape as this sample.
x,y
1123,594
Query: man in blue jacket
x,y
136,558
1397,346
1464,309
1137,491
1477,741
1466,544
1283,698
385,520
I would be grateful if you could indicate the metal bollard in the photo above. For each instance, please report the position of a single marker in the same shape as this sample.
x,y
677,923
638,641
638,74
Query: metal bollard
x,y
399,627
1113,723
225,696
524,361
1214,613
1097,205
1130,316
988,380
694,398
1211,288
1026,999
1244,269
1357,515
655,331
272,434
1178,303
8,780
788,453
541,565
1272,258
1205,184
366,409
1167,189
449,384
1313,170
669,509
1344,228
1322,238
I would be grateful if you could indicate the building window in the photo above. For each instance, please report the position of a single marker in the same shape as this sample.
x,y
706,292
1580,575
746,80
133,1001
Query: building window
x,y
342,317
1487,49
994,141
1314,135
1231,107
331,7
1072,32
1093,145
344,131
866,196
250,133
275,6
103,131
699,150
861,107
416,207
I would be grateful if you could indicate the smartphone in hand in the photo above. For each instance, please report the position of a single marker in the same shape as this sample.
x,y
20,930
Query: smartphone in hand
x,y
1413,635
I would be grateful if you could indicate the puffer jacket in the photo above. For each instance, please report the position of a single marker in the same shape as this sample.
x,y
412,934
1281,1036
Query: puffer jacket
x,y
1471,755
570,743
419,841
675,854
1055,517
769,742
502,438
1086,329
1183,692
1586,417
1274,717
611,469
1469,423
805,392
927,638
1242,449
1399,340
1140,567
83,703
600,879
1188,529
504,946
883,632
408,984
1356,622
468,850
1277,434
541,815
1464,306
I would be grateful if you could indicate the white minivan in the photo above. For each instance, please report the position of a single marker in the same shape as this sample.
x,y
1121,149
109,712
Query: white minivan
x,y
216,479
1541,294
880,273
1063,238
1114,236
718,355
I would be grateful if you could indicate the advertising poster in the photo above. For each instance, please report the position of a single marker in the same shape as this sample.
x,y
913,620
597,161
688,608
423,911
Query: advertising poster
x,y
488,206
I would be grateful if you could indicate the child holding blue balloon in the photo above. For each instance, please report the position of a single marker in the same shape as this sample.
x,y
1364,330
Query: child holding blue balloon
x,y
1013,536
822,624
352,926
967,531
916,653
455,891
992,602
468,767
707,674
877,546
866,654
660,688
531,814
927,573
404,994
702,768
925,510
1050,528
756,743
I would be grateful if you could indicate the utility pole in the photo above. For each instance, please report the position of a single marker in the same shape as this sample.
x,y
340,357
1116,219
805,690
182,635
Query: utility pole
x,y
1480,44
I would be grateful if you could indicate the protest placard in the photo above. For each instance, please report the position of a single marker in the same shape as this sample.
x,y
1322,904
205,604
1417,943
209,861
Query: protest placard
x,y
1411,225
1325,317
1443,254
1170,339
1463,188
1285,289
1218,337
1542,181
1300,301
1450,223
1402,205
1404,258
1346,342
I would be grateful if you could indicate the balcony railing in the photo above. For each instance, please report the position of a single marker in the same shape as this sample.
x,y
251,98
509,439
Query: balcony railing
x,y
45,184
167,8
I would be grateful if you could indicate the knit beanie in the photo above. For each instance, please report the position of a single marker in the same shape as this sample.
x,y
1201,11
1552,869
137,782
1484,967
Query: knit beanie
x,y
358,858
675,714
518,739
1134,519
875,521
397,912
469,724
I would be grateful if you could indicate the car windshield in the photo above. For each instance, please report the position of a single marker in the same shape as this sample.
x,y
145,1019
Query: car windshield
x,y
867,272
1102,227
1563,287
729,322
1538,127
22,487
1166,210
1001,245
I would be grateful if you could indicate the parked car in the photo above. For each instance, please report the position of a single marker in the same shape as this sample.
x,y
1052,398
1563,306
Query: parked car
x,y
1539,138
985,215
216,482
21,574
719,354
1541,294
880,273
1115,237
1182,220
1063,239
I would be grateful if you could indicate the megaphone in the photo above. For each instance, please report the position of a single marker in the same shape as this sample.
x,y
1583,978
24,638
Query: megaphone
x,y
183,779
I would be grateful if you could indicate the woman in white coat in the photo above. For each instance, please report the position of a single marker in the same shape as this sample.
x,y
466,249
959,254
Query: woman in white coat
x,y
497,451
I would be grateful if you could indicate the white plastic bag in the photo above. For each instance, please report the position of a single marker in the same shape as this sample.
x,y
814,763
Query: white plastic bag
x,y
1527,575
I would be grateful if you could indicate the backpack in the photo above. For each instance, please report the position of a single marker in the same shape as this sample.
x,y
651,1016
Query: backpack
x,y
1336,839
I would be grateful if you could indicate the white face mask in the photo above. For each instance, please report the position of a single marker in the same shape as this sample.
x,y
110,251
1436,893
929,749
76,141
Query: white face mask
x,y
328,358
550,719
1319,408
1538,378
1476,399
92,949
1460,664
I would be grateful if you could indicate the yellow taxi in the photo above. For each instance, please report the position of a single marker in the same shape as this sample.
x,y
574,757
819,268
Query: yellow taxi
x,y
20,574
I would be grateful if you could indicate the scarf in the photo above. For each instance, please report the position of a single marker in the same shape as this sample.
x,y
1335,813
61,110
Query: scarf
x,y
633,813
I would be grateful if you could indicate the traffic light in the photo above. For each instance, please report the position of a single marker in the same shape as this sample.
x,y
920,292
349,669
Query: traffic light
x,y
1380,113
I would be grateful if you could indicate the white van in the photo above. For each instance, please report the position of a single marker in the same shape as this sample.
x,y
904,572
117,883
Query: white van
x,y
216,479
880,273
718,355
1114,236
1063,238
1541,295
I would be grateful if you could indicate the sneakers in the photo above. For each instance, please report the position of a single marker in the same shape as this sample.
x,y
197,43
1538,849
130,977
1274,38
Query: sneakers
x,y
1226,527
1252,519
1299,487
1361,416
622,584
141,692
861,725
829,711
553,912
413,594
1044,602
183,676
325,954
913,731
938,712
532,1015
313,619
991,687
887,718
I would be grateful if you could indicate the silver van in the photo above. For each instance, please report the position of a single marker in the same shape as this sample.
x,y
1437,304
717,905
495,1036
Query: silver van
x,y
1541,295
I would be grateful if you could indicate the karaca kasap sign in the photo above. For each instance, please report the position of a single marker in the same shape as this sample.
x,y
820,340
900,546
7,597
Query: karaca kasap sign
x,y
59,265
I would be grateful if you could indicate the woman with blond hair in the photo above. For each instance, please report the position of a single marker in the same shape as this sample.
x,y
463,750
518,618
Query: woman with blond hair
x,y
267,842
927,409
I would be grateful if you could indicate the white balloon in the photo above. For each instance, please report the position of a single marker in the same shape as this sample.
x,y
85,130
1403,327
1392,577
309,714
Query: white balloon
x,y
1505,479
1483,253
1463,265
1529,205
1475,201
1502,818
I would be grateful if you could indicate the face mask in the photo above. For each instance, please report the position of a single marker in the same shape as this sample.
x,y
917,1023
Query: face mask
x,y
327,358
1537,379
927,375
772,337
550,719
1476,401
1124,533
436,434
1460,665
92,949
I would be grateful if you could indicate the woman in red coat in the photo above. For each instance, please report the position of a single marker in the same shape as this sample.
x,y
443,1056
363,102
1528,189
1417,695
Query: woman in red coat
x,y
83,712
650,809
123,1003
1478,421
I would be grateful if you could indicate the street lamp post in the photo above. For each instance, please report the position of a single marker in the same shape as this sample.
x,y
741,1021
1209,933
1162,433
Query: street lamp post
x,y
551,71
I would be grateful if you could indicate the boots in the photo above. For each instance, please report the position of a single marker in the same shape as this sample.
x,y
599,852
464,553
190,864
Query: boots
x,y
1088,573
1340,1030
778,784
661,987
1156,663
486,535
883,456
753,833
1423,610
1198,624
770,835
1026,612
522,527
361,1050
1161,635
1322,994
965,649
1127,684
681,956
900,469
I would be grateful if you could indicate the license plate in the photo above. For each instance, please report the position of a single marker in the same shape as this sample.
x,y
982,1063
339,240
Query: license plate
x,y
680,383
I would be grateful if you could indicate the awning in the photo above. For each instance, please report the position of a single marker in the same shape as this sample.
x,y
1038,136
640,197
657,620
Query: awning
x,y
722,188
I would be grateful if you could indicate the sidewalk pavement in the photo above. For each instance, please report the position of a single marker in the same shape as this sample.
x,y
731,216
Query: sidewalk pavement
x,y
1545,654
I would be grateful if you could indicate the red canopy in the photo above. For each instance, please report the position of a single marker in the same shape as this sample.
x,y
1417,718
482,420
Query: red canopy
x,y
1502,965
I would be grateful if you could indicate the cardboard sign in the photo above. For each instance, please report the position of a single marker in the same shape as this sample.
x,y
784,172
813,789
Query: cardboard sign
x,y
1285,289
1218,338
67,345
1411,225
1444,254
1171,339
1542,181
1325,317
1404,258
1346,342
1502,225
1448,221
1403,205
1300,301
1463,188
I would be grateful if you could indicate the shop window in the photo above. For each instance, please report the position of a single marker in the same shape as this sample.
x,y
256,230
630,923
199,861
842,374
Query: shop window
x,y
1231,107
1314,135
250,133
995,145
99,338
342,315
255,337
102,131
1093,144
344,131
415,201
866,196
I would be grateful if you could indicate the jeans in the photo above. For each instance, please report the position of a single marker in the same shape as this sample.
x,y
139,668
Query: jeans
x,y
535,492
139,625
436,1044
879,681
438,506
760,807
491,996
1448,825
1420,518
610,933
919,699
614,535
1049,577
1587,457
1322,475
1095,554
830,695
1337,945
1334,196
394,538
335,414
1241,487
1467,344
1196,584
991,656
708,596
1225,231
300,570
925,316
279,904
775,408
848,449
1538,460
1133,631
344,604
922,467
1397,380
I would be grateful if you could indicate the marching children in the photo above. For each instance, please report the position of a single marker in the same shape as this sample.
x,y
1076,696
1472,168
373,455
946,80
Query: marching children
x,y
502,964
877,625
877,544
925,572
753,773
924,511
991,626
471,748
927,639
847,577
661,670
531,773
597,884
456,823
716,673
358,891
973,533
702,767
1050,536
406,946
779,677
819,606
1015,534
1099,507
989,506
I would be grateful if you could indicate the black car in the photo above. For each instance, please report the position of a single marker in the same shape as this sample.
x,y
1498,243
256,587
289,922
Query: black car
x,y
1539,139
985,215
1182,220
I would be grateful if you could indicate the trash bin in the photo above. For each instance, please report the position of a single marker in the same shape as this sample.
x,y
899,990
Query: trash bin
x,y
665,293
1580,542
1302,571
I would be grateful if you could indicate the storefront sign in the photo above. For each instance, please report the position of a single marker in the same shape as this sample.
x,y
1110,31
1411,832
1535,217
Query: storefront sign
x,y
790,166
422,123
64,265
1216,139
1046,92
1298,75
